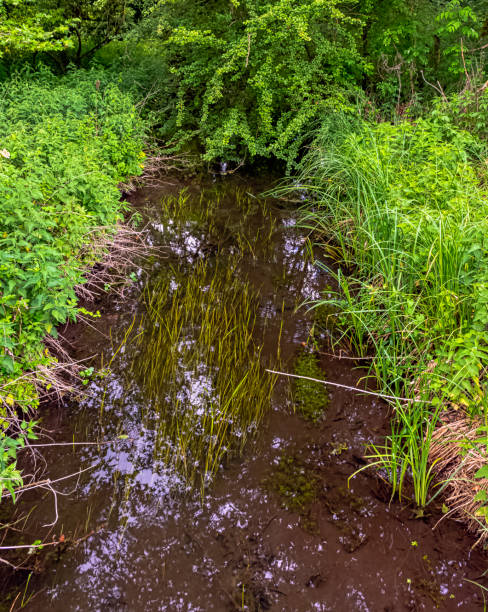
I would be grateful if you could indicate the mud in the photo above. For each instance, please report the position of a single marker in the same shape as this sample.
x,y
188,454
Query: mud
x,y
281,528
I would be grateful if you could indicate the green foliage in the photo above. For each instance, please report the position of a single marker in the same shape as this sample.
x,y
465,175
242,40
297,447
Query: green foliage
x,y
65,145
404,210
27,26
95,24
66,30
10,476
420,48
468,110
251,76
459,22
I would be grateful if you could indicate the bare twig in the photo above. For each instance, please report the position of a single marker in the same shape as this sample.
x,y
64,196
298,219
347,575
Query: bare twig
x,y
43,483
468,79
356,389
437,87
55,494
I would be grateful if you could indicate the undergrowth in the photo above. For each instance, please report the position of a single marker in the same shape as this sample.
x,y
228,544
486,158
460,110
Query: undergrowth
x,y
66,142
403,209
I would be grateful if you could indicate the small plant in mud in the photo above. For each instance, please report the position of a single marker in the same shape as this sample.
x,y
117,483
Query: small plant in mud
x,y
298,486
310,398
86,375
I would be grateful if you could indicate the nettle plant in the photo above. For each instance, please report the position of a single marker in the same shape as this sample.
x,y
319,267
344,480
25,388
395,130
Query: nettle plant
x,y
65,150
65,144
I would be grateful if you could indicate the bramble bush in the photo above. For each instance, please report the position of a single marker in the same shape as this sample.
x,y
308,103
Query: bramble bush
x,y
65,144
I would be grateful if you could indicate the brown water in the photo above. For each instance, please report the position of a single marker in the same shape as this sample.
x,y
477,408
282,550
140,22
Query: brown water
x,y
143,544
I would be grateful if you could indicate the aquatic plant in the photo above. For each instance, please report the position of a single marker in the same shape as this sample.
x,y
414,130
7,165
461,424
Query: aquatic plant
x,y
295,482
249,227
310,398
198,365
298,486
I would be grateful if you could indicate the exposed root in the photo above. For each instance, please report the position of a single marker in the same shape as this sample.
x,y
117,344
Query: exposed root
x,y
156,167
456,458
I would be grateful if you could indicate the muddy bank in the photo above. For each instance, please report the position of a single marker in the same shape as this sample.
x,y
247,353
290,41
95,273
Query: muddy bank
x,y
279,528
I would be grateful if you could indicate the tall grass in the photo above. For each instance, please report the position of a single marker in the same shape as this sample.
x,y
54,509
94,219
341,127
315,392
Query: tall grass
x,y
404,213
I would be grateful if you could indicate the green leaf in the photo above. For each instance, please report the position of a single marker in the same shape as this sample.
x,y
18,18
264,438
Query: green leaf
x,y
7,363
481,496
482,472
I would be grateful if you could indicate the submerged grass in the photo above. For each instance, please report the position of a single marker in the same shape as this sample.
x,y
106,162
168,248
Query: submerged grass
x,y
298,486
198,358
247,228
403,211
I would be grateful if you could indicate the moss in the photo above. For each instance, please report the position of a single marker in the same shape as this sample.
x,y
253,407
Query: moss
x,y
310,398
298,486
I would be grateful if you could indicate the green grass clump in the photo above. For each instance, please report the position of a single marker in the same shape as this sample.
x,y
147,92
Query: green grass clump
x,y
403,209
310,398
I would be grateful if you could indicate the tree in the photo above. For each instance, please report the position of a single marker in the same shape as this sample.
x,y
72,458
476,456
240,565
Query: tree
x,y
28,26
251,75
67,30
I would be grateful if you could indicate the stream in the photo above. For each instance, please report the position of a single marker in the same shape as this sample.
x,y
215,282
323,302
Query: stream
x,y
274,524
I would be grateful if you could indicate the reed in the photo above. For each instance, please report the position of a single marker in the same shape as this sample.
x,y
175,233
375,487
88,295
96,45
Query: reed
x,y
200,368
196,356
402,212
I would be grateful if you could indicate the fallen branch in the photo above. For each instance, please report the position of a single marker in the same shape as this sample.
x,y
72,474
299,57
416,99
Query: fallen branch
x,y
348,388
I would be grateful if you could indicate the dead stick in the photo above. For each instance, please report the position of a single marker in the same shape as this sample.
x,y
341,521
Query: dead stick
x,y
356,389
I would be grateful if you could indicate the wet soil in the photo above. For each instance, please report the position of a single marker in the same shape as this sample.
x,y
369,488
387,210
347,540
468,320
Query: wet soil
x,y
281,528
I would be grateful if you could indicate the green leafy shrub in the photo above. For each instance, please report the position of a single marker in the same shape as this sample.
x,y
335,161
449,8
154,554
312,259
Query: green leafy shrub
x,y
65,144
250,76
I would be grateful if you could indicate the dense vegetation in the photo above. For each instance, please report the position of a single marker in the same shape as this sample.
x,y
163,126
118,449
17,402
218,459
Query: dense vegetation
x,y
67,143
403,211
378,109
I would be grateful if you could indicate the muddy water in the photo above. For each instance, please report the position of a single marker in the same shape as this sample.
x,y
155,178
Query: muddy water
x,y
278,529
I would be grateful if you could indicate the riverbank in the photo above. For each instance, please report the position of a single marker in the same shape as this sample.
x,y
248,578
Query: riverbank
x,y
67,142
402,211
